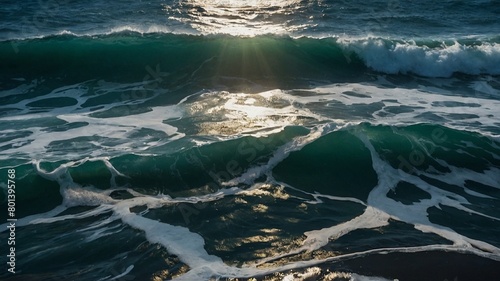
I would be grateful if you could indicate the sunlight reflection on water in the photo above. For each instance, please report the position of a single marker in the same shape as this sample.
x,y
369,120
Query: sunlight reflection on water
x,y
240,18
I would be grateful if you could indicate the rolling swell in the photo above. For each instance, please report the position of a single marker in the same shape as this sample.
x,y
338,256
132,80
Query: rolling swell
x,y
173,59
330,182
337,163
188,172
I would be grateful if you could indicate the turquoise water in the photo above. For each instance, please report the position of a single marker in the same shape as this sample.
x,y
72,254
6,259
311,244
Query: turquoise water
x,y
231,140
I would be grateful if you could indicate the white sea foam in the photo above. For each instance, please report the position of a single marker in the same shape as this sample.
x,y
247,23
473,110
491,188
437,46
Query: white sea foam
x,y
350,103
142,29
414,104
190,246
416,213
279,155
380,208
408,57
113,130
438,57
254,109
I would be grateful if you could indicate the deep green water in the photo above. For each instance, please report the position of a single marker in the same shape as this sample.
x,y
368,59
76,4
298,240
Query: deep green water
x,y
230,140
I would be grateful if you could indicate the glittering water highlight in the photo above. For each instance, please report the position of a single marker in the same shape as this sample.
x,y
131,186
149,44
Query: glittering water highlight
x,y
251,140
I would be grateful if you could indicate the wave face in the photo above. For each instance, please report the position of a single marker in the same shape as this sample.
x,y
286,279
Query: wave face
x,y
213,204
262,57
240,185
250,140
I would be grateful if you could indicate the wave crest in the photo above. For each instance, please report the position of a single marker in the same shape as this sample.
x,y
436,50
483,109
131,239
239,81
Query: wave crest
x,y
431,60
263,57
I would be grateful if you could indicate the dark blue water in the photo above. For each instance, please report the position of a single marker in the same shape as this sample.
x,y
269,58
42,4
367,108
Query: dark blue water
x,y
408,19
250,140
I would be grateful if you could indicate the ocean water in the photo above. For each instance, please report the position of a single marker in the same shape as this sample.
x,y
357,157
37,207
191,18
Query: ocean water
x,y
250,140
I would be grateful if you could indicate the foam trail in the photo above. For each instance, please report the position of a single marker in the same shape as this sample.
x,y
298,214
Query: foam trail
x,y
41,138
102,232
281,153
94,212
317,195
371,218
189,246
33,218
389,177
316,239
380,209
180,241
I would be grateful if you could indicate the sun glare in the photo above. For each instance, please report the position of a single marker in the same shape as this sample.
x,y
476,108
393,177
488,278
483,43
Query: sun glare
x,y
239,18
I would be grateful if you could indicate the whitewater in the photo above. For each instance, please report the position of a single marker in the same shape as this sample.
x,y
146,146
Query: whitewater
x,y
250,140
